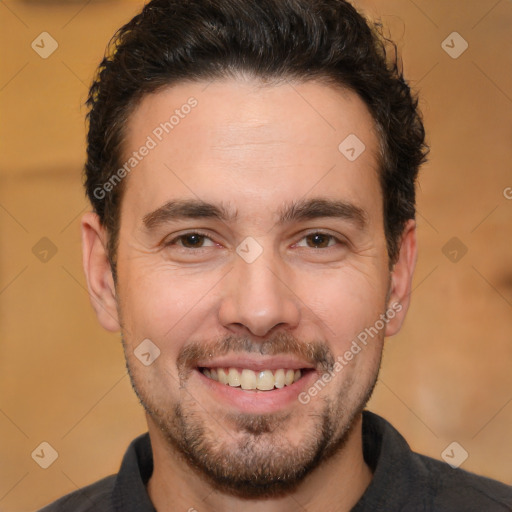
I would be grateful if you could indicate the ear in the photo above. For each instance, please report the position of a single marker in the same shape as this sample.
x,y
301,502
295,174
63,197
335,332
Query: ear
x,y
401,279
98,272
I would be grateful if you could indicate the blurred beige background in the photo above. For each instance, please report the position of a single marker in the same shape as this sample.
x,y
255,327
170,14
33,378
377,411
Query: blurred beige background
x,y
447,377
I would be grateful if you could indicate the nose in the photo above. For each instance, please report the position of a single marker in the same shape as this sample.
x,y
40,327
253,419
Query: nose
x,y
258,297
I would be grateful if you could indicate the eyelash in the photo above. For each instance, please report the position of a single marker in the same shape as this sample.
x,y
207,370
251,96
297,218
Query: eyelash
x,y
200,233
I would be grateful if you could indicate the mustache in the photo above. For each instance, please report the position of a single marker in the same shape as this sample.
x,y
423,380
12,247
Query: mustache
x,y
315,353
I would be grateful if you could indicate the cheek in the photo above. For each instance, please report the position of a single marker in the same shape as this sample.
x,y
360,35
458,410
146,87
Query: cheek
x,y
346,300
349,304
164,306
161,303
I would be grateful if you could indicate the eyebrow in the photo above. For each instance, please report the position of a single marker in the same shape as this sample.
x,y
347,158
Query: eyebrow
x,y
186,209
296,211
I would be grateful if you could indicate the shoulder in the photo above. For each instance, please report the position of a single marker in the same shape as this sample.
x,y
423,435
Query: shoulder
x,y
457,489
95,497
406,480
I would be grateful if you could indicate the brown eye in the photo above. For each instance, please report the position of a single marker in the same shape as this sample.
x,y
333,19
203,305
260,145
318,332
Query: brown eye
x,y
318,240
191,241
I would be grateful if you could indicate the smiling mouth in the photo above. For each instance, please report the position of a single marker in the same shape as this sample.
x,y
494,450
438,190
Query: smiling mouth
x,y
246,379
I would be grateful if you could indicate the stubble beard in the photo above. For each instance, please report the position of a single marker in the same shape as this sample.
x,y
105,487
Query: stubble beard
x,y
249,455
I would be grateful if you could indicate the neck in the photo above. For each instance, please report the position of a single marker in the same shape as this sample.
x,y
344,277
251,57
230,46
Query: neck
x,y
336,484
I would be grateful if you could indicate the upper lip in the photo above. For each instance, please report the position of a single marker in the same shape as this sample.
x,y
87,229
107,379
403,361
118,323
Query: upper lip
x,y
256,363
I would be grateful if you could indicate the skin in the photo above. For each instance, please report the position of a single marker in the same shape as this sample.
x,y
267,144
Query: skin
x,y
253,149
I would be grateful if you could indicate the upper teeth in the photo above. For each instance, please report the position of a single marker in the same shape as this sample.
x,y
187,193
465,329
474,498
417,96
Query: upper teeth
x,y
263,380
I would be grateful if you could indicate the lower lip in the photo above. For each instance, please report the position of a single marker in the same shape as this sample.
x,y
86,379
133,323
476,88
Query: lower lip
x,y
255,401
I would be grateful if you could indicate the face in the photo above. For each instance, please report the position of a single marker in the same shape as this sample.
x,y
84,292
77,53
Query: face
x,y
252,259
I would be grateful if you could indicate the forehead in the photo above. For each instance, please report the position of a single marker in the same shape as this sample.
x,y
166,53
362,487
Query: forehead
x,y
250,146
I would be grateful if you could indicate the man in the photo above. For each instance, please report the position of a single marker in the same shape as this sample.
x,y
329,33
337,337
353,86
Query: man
x,y
252,170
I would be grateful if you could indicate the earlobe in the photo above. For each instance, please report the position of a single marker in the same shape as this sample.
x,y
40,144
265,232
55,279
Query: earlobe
x,y
98,272
401,279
